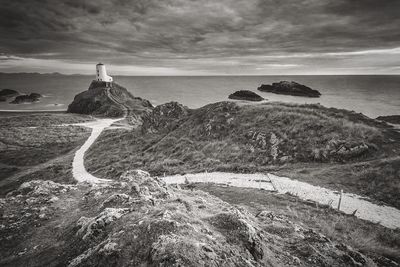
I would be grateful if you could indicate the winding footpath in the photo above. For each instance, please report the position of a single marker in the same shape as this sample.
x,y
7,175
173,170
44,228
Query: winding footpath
x,y
78,167
365,209
351,203
361,207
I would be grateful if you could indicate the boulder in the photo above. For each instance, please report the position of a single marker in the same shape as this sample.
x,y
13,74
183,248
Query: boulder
x,y
245,95
33,97
289,88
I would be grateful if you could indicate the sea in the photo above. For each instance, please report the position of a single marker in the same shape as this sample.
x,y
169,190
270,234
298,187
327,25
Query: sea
x,y
372,95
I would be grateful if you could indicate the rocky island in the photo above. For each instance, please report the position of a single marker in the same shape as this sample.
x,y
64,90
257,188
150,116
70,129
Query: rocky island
x,y
5,94
108,99
245,95
289,88
395,119
33,97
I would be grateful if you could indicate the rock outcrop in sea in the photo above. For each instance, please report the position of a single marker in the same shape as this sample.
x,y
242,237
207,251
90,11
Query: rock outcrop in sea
x,y
289,88
33,97
7,93
395,119
108,99
245,95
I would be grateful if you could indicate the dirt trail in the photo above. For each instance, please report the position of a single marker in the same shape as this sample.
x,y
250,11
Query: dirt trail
x,y
78,167
366,210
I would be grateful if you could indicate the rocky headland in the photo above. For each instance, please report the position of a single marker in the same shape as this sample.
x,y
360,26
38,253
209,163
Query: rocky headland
x,y
110,100
245,95
289,88
33,97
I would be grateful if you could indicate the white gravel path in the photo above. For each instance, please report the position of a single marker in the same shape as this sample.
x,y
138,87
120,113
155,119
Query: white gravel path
x,y
78,167
366,210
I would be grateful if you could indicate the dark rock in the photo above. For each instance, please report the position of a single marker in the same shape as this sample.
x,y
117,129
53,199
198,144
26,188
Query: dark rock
x,y
33,97
245,95
289,88
108,99
6,93
395,119
164,117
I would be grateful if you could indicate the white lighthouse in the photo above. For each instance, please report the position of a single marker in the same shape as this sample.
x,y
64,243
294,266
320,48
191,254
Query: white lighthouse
x,y
101,73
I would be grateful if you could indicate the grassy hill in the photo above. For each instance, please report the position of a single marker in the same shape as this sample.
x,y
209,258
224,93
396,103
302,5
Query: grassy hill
x,y
227,136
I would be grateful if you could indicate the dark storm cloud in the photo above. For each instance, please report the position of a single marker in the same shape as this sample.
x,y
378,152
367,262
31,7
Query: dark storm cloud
x,y
203,34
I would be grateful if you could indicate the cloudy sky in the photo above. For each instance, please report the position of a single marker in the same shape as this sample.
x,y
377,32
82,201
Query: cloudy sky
x,y
201,37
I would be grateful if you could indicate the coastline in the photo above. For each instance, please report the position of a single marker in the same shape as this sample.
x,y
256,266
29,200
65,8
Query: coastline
x,y
32,111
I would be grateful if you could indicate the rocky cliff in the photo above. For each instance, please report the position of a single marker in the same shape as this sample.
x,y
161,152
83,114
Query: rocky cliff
x,y
110,100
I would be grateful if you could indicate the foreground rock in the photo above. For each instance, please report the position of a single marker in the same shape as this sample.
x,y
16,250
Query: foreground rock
x,y
289,88
395,119
245,95
7,93
140,221
33,97
110,100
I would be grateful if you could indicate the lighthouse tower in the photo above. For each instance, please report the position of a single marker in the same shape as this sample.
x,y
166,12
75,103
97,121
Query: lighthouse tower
x,y
101,74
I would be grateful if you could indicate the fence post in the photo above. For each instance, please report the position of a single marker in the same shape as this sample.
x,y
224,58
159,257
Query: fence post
x,y
340,199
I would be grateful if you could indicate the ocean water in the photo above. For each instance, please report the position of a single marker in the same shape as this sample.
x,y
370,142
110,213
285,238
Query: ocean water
x,y
370,95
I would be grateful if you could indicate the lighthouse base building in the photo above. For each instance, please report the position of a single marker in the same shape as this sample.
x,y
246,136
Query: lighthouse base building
x,y
101,75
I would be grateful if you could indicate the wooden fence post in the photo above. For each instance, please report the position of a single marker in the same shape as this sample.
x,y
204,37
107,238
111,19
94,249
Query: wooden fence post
x,y
340,199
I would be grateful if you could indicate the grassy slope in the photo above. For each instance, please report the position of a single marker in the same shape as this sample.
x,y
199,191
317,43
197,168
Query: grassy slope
x,y
31,147
366,237
251,138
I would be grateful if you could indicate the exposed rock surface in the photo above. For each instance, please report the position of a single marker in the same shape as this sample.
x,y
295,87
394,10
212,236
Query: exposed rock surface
x,y
395,119
289,88
246,95
110,100
7,93
33,97
165,117
155,225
